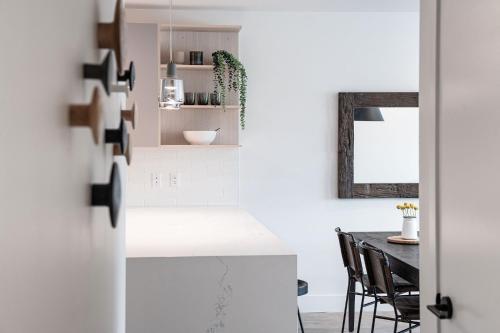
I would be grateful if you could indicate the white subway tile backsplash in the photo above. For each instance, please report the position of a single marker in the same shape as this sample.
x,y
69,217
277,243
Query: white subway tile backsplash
x,y
205,177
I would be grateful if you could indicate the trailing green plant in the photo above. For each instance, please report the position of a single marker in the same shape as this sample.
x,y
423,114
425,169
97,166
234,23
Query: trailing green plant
x,y
236,79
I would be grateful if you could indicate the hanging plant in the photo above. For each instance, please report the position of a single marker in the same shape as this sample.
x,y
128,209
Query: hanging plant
x,y
236,79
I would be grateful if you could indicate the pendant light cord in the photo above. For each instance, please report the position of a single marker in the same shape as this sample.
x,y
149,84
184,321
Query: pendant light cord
x,y
170,14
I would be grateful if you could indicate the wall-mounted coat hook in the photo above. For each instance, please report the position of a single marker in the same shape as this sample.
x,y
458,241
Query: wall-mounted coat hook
x,y
109,195
88,115
129,76
100,72
128,151
118,136
112,35
131,115
120,88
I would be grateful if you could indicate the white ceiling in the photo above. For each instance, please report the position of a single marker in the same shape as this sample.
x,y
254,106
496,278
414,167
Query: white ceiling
x,y
283,5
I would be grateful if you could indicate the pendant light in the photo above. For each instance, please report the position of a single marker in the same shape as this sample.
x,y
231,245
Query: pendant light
x,y
172,89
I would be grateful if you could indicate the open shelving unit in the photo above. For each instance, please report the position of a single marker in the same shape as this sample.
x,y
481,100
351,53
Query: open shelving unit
x,y
190,67
199,78
149,47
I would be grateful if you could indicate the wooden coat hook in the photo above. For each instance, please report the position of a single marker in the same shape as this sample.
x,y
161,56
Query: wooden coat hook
x,y
129,76
118,136
88,115
100,72
128,151
131,115
109,195
112,35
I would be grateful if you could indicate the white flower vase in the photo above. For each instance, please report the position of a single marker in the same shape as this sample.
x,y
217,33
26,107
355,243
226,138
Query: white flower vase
x,y
410,228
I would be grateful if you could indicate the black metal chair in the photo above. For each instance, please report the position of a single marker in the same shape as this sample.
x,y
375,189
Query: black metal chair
x,y
302,289
355,274
382,285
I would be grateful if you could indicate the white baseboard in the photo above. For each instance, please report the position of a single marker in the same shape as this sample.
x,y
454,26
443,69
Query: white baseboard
x,y
330,303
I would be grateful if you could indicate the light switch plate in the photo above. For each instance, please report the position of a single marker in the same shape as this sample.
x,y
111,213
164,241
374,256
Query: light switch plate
x,y
174,179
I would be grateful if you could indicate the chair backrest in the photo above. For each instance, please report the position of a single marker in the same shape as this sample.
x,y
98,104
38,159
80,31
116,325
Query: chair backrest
x,y
350,253
378,269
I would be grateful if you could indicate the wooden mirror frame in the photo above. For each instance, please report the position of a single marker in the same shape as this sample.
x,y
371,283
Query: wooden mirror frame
x,y
347,103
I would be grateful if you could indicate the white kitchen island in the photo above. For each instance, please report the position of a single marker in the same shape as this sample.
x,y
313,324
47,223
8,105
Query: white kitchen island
x,y
207,270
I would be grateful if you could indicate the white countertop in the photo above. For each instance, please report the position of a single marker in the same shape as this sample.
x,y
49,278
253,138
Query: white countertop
x,y
194,232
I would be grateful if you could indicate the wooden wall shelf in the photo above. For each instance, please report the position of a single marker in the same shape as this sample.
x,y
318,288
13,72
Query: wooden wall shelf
x,y
209,107
199,146
202,28
190,67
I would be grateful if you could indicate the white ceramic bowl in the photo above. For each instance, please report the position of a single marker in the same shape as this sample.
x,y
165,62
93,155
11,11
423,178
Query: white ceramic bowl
x,y
199,137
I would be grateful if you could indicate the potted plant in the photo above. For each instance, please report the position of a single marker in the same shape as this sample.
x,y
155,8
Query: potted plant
x,y
410,224
235,80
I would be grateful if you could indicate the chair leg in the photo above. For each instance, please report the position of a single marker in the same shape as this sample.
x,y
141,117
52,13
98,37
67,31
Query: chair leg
x,y
361,310
300,321
374,314
395,318
346,301
409,323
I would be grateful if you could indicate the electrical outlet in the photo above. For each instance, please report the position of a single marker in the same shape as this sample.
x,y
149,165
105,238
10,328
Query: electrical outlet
x,y
156,180
174,179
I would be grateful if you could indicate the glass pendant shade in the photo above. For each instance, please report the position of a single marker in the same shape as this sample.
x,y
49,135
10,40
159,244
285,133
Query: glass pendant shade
x,y
172,90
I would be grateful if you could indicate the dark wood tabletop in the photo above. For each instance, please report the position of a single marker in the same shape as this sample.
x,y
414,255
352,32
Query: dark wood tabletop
x,y
404,259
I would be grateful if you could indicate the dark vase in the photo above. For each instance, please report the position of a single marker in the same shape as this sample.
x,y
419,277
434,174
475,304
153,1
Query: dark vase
x,y
202,98
215,99
196,57
189,98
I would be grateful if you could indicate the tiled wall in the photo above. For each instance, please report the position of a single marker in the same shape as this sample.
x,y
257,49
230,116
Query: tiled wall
x,y
208,176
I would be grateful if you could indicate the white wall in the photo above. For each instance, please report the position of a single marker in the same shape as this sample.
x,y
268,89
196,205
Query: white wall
x,y
62,266
205,177
297,62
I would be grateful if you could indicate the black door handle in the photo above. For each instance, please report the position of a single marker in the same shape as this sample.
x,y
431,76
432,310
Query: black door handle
x,y
129,76
99,72
109,195
443,309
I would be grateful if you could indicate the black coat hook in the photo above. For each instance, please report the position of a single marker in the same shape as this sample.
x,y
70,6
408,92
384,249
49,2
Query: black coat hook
x,y
100,72
118,136
129,76
109,195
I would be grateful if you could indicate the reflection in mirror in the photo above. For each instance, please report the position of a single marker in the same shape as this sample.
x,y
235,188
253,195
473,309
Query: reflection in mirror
x,y
386,150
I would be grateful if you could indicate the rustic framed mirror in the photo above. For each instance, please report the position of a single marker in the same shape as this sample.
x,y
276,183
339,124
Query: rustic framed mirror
x,y
378,145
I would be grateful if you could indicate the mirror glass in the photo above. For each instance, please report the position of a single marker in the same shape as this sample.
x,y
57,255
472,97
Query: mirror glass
x,y
386,151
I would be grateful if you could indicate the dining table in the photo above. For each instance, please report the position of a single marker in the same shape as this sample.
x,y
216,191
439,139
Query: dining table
x,y
403,260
